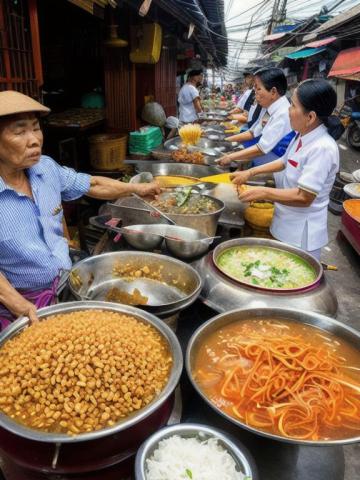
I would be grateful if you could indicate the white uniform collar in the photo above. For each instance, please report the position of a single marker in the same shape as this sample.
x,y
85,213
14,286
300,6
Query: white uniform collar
x,y
279,104
311,136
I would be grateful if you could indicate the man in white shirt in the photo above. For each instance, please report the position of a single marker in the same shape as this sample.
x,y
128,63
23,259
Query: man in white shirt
x,y
189,97
267,142
246,100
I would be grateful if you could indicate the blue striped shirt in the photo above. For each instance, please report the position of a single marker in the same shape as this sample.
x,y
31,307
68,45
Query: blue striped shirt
x,y
32,246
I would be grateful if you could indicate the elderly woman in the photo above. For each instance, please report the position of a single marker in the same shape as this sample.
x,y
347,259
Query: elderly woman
x,y
33,249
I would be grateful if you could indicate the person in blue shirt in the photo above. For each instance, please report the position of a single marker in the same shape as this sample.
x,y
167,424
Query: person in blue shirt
x,y
33,249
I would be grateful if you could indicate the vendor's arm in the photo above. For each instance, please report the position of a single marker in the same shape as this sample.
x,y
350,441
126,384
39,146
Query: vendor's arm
x,y
241,137
240,177
197,105
103,188
292,197
240,117
235,110
241,156
14,302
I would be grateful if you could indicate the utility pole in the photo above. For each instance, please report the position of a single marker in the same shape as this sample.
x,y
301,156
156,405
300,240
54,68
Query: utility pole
x,y
278,14
282,12
274,16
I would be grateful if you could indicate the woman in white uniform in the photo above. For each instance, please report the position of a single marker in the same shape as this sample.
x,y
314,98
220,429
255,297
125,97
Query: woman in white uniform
x,y
264,144
308,168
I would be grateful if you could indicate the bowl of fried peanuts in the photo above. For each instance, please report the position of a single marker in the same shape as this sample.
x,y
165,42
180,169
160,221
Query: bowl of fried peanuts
x,y
87,370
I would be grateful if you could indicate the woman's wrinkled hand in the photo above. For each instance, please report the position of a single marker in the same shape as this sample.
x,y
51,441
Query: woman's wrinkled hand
x,y
22,307
147,189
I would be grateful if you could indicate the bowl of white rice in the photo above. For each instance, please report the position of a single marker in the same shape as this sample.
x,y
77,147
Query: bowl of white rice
x,y
192,451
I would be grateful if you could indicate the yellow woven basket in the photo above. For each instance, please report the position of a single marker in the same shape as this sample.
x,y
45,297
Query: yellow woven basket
x,y
108,151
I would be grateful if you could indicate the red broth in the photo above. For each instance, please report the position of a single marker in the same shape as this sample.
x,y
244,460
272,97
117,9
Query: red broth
x,y
282,377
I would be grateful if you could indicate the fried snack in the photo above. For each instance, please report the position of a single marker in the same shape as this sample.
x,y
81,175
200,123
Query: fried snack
x,y
120,296
82,371
184,156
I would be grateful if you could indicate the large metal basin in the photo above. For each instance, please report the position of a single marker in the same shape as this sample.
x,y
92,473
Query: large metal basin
x,y
223,294
63,308
213,148
179,287
27,451
315,319
185,169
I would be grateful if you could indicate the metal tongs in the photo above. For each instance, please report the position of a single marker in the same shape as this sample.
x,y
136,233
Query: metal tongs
x,y
168,219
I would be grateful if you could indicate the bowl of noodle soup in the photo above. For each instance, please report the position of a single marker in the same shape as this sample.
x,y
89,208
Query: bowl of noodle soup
x,y
288,375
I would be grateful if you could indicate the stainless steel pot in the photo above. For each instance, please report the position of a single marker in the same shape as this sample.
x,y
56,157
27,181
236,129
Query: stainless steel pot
x,y
223,294
131,211
243,461
170,337
205,223
180,285
315,319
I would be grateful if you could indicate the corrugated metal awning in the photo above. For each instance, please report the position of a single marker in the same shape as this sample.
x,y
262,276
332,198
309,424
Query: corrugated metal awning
x,y
274,36
347,64
335,23
307,52
321,43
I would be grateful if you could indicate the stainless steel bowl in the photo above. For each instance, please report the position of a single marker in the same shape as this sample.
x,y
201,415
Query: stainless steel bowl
x,y
180,285
143,237
186,243
185,169
243,461
315,319
124,427
182,242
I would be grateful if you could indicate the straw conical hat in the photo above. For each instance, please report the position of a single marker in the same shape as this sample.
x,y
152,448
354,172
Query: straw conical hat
x,y
12,102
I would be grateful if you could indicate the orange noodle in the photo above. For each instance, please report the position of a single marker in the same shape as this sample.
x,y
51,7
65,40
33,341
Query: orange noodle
x,y
278,380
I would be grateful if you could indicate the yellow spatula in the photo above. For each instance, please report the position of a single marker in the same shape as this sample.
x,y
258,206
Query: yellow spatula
x,y
219,178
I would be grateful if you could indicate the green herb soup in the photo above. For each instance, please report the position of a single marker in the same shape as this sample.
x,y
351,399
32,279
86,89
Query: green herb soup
x,y
266,267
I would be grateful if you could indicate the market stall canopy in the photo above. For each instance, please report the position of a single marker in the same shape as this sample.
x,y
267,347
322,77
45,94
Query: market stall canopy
x,y
321,43
347,64
274,36
307,52
336,24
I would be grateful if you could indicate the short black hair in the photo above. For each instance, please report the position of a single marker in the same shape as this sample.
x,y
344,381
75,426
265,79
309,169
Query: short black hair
x,y
248,73
195,73
273,78
317,95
